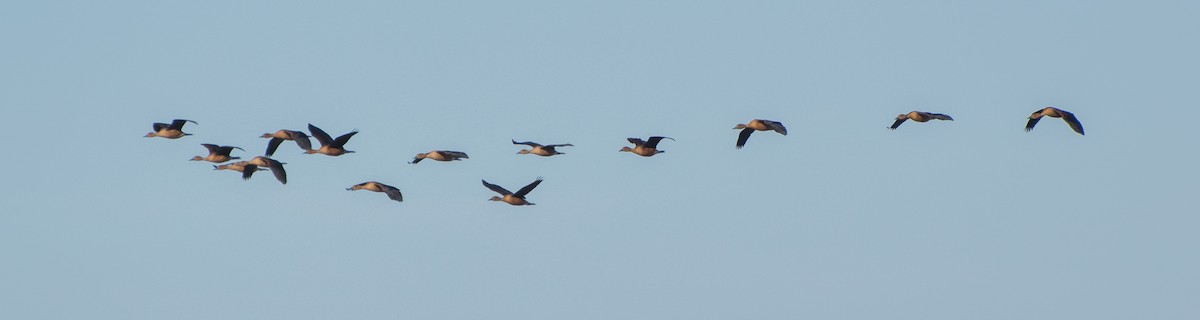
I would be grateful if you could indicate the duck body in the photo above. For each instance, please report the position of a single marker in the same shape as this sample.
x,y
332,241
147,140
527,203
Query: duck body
x,y
646,148
757,125
174,130
1055,113
918,116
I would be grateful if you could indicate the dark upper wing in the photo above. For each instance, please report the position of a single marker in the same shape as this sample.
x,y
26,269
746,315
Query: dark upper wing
x,y
177,124
525,190
653,141
393,193
415,160
212,148
552,146
940,116
531,144
321,136
636,141
226,150
898,122
1072,121
302,140
341,140
456,154
273,145
158,126
248,171
277,169
1032,122
743,136
777,126
496,188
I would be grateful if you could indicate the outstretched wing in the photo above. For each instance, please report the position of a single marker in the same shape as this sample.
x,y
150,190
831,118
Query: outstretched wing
x,y
552,146
177,124
158,126
341,140
1032,122
302,140
393,193
1072,121
743,137
321,136
212,148
277,169
636,141
898,122
525,190
653,141
456,154
940,116
248,170
496,188
777,126
273,145
528,143
226,150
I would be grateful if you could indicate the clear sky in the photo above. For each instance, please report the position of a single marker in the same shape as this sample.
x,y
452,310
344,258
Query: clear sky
x,y
840,219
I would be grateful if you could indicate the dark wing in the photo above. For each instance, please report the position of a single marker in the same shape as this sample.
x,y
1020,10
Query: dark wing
x,y
248,171
212,148
653,141
636,141
1032,122
496,188
1072,121
777,126
273,145
177,124
393,193
559,145
531,144
415,160
277,169
743,136
158,126
525,190
940,116
456,154
898,122
302,141
321,136
226,150
341,141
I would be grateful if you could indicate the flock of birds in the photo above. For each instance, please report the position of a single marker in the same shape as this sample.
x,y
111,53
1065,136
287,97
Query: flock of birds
x,y
336,147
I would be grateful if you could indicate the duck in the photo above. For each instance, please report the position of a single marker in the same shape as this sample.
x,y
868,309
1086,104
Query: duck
x,y
279,136
276,167
516,199
541,150
329,147
217,154
644,148
919,116
392,192
170,131
1055,113
239,166
757,125
440,155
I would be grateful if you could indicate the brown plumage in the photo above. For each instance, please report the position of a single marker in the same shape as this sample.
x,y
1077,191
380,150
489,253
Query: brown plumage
x,y
1054,113
644,148
392,192
541,150
329,146
264,162
278,137
217,154
516,199
440,155
919,116
757,125
170,131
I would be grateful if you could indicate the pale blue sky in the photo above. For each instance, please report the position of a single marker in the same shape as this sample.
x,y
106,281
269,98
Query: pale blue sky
x,y
841,219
